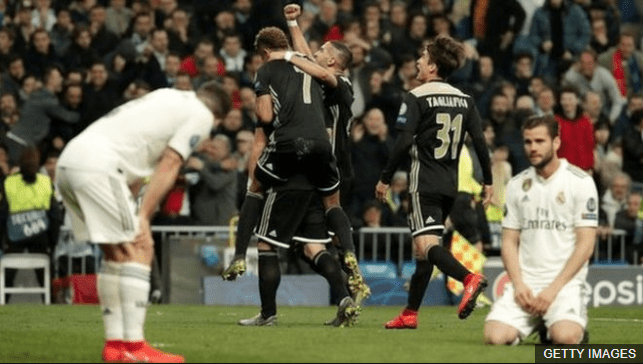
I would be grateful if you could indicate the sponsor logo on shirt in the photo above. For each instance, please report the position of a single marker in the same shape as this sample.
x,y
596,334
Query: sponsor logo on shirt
x,y
526,184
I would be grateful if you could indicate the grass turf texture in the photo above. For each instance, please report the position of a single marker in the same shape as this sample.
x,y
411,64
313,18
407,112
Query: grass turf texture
x,y
64,333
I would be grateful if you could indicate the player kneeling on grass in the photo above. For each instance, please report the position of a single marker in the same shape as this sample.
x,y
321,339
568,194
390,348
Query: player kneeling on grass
x,y
99,174
548,236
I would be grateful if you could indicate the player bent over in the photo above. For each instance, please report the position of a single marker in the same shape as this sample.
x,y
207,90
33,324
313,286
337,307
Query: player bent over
x,y
98,175
548,236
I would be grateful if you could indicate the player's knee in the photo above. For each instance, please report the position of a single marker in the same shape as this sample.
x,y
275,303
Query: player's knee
x,y
311,250
494,335
263,246
566,337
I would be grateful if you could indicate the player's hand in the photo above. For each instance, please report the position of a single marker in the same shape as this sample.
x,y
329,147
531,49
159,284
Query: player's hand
x,y
236,268
292,11
544,300
381,190
523,297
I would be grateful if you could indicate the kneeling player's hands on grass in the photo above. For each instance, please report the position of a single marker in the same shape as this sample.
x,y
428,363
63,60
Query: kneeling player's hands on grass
x,y
236,268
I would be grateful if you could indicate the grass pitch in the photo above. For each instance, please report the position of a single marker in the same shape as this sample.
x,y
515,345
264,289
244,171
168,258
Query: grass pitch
x,y
64,333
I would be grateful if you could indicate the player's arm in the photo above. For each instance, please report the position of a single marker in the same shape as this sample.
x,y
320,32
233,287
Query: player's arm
x,y
308,66
585,239
407,120
509,253
263,109
477,136
299,44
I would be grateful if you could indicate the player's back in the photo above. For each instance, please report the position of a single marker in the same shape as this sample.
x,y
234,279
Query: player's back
x,y
443,114
297,102
132,137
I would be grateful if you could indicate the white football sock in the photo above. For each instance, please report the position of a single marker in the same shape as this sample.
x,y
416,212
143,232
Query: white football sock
x,y
135,290
109,294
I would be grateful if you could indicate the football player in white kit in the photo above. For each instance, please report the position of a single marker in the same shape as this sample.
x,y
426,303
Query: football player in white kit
x,y
548,236
99,173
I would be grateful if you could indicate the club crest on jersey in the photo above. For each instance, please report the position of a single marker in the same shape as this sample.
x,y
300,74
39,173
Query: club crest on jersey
x,y
591,204
194,140
526,184
560,197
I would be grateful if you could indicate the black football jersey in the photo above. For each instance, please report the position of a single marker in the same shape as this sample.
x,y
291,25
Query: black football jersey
x,y
297,100
438,115
338,101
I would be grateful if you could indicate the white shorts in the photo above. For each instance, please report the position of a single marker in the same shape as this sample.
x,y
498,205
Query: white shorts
x,y
568,305
100,205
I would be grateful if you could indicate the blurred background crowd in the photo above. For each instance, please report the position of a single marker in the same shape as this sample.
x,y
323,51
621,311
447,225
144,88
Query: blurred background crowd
x,y
64,64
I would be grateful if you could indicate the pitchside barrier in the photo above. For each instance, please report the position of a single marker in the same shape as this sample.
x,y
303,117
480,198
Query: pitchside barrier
x,y
194,257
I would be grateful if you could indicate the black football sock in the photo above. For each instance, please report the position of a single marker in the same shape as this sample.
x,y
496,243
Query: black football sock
x,y
330,269
419,283
339,223
269,279
444,260
248,218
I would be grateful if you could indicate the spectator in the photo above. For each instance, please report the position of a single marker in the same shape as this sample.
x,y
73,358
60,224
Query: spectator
x,y
28,85
633,148
545,101
622,124
43,16
209,71
101,93
29,211
80,55
625,63
104,41
6,47
154,57
72,99
601,153
593,107
41,53
118,17
587,75
411,43
575,130
251,64
369,152
522,73
183,82
615,198
600,40
36,116
245,20
394,30
135,40
559,32
626,219
23,28
224,24
325,19
231,125
171,71
395,210
232,54
243,148
213,197
193,65
483,84
495,25
9,113
62,32
248,104
181,33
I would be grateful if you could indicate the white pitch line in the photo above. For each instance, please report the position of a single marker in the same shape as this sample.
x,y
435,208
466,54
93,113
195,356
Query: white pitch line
x,y
616,320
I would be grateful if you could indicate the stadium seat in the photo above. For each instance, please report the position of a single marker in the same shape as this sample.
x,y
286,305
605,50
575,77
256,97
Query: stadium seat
x,y
408,268
378,269
24,261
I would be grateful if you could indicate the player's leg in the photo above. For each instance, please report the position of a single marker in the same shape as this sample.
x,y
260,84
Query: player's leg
x,y
566,332
499,333
269,279
103,211
329,268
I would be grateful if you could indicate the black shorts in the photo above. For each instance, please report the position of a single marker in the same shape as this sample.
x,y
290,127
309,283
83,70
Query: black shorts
x,y
292,215
312,158
428,213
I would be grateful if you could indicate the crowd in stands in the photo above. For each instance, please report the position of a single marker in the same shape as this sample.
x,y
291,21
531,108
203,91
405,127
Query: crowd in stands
x,y
66,63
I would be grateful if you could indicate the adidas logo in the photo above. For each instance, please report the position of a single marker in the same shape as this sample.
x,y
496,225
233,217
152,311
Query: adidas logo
x,y
429,220
269,165
107,311
273,233
525,199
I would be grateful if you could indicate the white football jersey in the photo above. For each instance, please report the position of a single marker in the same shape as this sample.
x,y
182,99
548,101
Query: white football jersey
x,y
130,139
547,211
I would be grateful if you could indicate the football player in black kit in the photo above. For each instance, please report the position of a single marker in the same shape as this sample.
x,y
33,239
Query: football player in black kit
x,y
295,167
431,125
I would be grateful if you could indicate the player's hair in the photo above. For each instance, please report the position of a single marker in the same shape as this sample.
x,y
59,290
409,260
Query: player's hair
x,y
215,97
545,120
344,54
446,53
271,38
